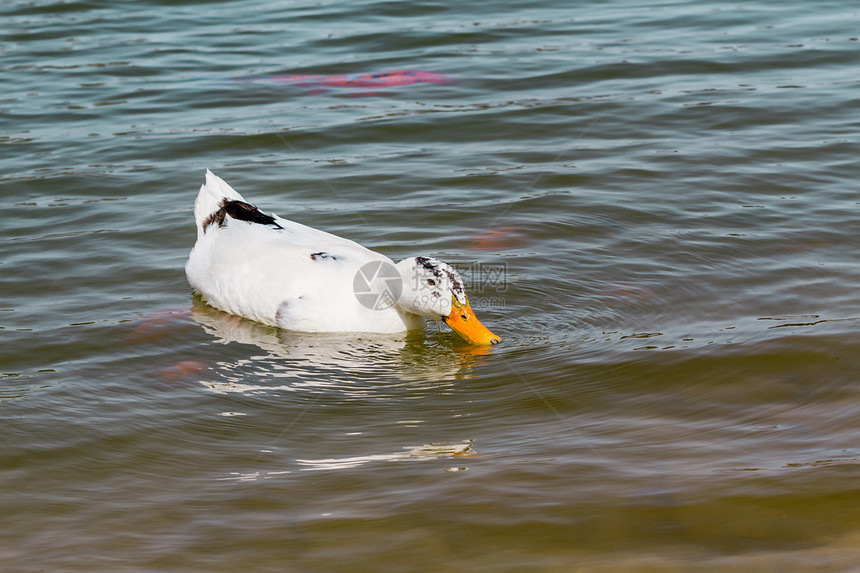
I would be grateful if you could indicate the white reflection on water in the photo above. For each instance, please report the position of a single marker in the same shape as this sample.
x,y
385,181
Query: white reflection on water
x,y
253,476
423,452
326,361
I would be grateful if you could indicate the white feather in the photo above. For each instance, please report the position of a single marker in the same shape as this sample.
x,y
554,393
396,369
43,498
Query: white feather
x,y
268,274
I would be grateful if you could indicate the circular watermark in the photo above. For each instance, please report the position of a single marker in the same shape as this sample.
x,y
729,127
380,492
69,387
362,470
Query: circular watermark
x,y
377,285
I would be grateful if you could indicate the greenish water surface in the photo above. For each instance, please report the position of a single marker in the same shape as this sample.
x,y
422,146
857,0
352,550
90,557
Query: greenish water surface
x,y
655,205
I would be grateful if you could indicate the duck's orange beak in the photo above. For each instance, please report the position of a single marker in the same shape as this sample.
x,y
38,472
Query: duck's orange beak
x,y
462,320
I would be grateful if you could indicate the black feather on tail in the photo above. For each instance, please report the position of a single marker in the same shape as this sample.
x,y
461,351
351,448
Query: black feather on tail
x,y
240,211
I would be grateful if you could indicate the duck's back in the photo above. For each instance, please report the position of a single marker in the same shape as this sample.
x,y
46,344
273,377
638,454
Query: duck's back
x,y
280,272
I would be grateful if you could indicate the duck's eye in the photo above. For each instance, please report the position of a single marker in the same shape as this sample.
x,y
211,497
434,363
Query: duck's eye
x,y
431,282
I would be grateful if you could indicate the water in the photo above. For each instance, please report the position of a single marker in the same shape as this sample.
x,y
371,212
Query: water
x,y
656,208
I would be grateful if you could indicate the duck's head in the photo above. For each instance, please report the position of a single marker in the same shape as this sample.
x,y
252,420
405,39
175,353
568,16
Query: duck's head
x,y
434,289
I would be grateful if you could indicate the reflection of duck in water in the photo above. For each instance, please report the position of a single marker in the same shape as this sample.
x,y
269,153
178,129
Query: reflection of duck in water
x,y
302,358
286,274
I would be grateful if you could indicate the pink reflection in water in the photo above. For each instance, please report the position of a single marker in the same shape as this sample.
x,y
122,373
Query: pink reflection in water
x,y
375,80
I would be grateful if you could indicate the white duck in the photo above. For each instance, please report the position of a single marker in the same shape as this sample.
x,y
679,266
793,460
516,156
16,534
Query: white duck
x,y
286,274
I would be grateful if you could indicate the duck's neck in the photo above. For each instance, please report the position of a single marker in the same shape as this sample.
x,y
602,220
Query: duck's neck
x,y
411,320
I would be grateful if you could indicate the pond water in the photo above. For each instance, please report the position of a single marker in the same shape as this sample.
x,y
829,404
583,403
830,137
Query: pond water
x,y
654,205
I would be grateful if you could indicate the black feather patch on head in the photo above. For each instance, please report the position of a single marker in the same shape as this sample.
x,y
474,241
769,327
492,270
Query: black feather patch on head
x,y
427,263
240,211
440,270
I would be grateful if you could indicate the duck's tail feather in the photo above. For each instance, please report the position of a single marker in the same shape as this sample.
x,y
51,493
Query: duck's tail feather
x,y
211,198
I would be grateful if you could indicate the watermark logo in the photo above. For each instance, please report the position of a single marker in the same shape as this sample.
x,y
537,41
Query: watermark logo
x,y
377,285
481,277
483,303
